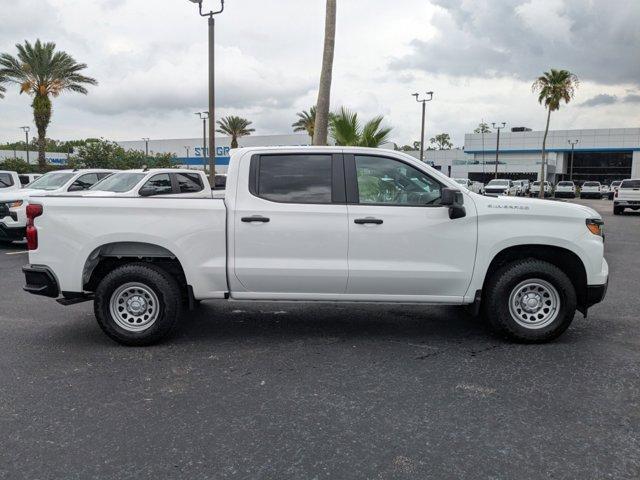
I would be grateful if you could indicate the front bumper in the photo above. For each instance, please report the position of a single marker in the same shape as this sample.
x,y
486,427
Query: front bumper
x,y
40,281
596,293
626,203
12,233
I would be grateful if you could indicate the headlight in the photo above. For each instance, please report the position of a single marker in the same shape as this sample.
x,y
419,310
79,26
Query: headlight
x,y
595,226
14,204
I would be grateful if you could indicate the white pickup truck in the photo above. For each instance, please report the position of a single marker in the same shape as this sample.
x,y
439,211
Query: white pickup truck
x,y
627,196
9,181
311,224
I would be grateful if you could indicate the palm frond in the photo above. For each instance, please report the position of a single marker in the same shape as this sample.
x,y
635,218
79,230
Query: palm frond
x,y
345,127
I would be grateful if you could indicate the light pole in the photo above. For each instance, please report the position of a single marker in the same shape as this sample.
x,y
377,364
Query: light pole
x,y
573,144
212,101
26,134
424,109
187,148
498,143
204,116
146,146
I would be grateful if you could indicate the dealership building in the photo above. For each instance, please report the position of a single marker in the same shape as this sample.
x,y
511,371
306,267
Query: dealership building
x,y
599,154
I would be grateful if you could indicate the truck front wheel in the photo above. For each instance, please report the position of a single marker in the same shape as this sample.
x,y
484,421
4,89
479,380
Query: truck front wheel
x,y
529,301
138,304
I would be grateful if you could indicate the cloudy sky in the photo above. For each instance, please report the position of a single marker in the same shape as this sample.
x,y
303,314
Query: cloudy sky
x,y
478,56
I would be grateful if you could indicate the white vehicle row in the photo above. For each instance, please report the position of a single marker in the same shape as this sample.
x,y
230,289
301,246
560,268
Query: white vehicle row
x,y
96,183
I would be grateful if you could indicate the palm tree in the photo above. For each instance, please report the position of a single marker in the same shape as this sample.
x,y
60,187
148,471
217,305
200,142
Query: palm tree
x,y
306,121
553,87
346,130
235,127
43,72
2,89
321,128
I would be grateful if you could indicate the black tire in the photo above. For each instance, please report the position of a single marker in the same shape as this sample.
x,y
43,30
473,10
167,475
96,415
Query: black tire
x,y
496,295
166,289
618,210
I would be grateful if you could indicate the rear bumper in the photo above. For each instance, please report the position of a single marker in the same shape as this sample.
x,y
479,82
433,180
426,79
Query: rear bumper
x,y
565,194
12,233
590,195
626,203
40,281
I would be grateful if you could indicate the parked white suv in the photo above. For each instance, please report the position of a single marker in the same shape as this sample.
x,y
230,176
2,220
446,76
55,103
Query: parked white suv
x,y
475,187
614,188
501,186
627,196
591,190
534,191
13,204
566,188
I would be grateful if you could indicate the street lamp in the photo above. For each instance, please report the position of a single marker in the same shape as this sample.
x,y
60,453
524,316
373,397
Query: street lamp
x,y
204,116
573,144
26,134
424,108
187,148
212,102
498,143
146,146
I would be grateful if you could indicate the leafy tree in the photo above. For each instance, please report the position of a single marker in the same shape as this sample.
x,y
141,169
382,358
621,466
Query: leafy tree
x,y
346,130
107,154
324,92
16,165
235,127
482,128
306,121
43,72
442,141
553,87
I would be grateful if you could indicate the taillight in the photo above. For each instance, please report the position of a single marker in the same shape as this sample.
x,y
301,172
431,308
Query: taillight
x,y
33,210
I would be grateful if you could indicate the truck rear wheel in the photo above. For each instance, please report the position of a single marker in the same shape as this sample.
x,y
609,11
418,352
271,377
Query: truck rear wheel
x,y
529,301
618,210
138,304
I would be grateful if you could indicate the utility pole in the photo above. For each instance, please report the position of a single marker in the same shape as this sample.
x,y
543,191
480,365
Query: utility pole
x,y
187,148
146,146
204,116
573,144
212,101
424,110
498,128
26,134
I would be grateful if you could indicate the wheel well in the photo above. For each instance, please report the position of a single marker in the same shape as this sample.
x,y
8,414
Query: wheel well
x,y
564,259
113,255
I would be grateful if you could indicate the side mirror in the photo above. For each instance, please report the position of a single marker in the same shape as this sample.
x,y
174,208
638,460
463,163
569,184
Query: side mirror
x,y
75,188
452,198
147,191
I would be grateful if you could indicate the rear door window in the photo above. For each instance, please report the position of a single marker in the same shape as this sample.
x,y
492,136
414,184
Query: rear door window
x,y
189,182
295,178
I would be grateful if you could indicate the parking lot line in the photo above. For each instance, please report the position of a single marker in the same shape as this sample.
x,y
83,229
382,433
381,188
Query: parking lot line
x,y
16,253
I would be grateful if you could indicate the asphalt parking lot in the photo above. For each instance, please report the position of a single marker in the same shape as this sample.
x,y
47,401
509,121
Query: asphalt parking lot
x,y
285,391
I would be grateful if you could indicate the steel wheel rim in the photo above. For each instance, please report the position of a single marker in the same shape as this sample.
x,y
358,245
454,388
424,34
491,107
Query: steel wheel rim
x,y
134,307
534,303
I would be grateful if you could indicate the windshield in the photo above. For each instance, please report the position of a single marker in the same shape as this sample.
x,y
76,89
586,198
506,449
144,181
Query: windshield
x,y
51,181
536,184
630,184
118,182
565,184
616,183
498,183
591,184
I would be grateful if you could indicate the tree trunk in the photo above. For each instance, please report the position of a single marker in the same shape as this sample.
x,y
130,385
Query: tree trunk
x,y
321,129
234,141
544,154
42,116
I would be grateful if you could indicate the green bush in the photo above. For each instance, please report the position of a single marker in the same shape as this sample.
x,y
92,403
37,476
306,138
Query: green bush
x,y
107,154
